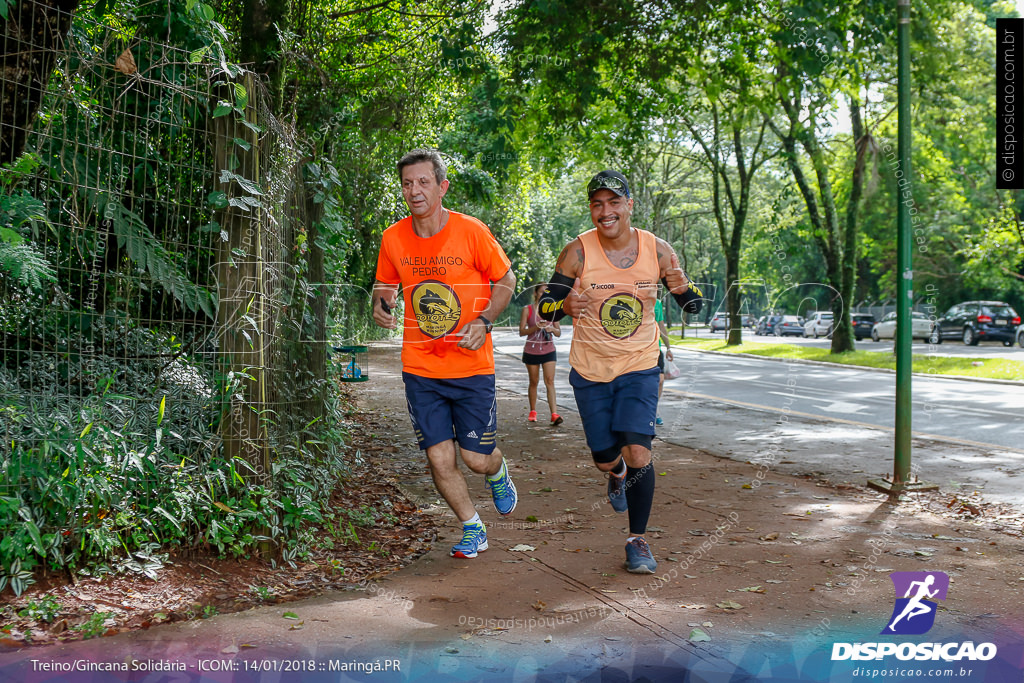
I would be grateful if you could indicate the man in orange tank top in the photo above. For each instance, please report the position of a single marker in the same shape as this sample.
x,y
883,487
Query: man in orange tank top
x,y
456,279
607,281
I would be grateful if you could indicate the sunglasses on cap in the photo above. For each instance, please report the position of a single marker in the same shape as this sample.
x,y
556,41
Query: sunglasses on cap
x,y
606,183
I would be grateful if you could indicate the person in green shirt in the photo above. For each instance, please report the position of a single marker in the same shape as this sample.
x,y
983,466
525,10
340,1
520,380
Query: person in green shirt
x,y
659,318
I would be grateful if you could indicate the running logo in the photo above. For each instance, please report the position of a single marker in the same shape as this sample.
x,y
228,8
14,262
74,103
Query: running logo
x,y
914,612
437,308
621,315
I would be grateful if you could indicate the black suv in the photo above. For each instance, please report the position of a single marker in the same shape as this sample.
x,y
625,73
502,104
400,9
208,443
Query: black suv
x,y
977,321
862,324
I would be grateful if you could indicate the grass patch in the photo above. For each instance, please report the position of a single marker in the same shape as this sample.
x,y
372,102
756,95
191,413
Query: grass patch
x,y
990,368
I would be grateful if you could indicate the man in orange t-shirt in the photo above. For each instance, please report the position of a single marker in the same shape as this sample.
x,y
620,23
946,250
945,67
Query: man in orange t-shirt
x,y
456,279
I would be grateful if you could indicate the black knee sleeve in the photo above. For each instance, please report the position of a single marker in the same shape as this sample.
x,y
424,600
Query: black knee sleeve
x,y
607,455
636,439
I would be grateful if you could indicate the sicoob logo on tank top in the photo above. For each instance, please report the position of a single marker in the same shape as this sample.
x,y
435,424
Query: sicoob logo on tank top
x,y
621,315
437,308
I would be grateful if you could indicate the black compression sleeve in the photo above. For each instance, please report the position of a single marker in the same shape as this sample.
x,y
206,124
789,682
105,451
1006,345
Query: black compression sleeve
x,y
554,294
691,301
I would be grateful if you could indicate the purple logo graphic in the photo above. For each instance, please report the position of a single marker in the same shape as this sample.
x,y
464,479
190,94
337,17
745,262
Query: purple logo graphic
x,y
915,608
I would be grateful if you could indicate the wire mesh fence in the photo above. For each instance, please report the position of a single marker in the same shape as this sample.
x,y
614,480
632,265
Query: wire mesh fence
x,y
162,356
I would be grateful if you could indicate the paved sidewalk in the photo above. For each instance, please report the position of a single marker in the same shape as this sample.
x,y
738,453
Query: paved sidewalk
x,y
760,573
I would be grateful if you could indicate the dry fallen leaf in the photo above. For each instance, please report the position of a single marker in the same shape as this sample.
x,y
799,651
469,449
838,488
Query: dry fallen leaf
x,y
753,589
125,63
521,548
694,606
230,650
539,605
729,604
770,537
698,636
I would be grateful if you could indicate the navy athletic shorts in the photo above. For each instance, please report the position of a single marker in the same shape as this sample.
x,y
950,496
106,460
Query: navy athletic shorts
x,y
463,409
613,412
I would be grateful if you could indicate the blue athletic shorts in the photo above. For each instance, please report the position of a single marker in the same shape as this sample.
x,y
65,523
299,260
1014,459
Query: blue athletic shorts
x,y
613,412
463,409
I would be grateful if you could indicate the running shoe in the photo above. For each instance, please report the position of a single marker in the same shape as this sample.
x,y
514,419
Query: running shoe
x,y
503,491
617,492
556,419
474,540
639,559
532,417
658,420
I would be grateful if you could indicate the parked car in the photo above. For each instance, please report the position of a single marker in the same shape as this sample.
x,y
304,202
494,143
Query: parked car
x,y
766,325
920,327
720,321
789,325
819,324
978,321
748,321
862,324
1020,336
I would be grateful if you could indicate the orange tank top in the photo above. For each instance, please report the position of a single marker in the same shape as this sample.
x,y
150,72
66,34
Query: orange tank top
x,y
616,334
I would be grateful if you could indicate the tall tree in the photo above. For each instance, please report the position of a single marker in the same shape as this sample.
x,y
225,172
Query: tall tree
x,y
32,33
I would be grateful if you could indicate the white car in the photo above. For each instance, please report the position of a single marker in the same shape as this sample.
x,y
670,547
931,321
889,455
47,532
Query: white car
x,y
921,327
819,324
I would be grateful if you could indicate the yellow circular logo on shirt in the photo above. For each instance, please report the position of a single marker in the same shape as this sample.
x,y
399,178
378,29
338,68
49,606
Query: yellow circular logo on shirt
x,y
437,308
621,315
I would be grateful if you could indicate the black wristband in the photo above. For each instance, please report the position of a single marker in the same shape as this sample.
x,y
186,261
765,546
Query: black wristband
x,y
558,288
487,323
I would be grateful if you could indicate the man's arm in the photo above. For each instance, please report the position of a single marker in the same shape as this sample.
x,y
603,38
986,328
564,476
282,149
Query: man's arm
x,y
663,332
474,333
384,294
687,295
561,296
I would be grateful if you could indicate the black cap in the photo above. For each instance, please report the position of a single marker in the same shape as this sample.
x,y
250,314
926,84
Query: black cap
x,y
608,180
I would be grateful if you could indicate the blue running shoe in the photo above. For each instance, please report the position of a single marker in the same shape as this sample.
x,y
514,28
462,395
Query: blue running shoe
x,y
474,540
658,420
617,492
503,491
639,559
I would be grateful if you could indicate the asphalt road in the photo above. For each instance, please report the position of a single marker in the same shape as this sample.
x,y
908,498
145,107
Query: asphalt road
x,y
949,348
833,421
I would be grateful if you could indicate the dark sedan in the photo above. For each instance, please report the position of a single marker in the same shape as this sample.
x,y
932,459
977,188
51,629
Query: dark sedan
x,y
790,325
862,324
977,321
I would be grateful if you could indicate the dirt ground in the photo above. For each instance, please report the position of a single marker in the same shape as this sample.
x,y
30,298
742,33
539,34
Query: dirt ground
x,y
748,558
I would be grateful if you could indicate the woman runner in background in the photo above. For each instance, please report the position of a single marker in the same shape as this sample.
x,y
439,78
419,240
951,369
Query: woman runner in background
x,y
538,353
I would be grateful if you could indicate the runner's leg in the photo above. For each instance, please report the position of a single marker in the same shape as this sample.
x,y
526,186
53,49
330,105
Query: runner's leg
x,y
639,487
482,463
549,384
449,480
534,372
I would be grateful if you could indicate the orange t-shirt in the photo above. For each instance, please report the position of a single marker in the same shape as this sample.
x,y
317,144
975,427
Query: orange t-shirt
x,y
446,282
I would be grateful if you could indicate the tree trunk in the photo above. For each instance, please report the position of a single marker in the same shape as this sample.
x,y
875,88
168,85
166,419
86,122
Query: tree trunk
x,y
240,311
315,332
842,340
32,36
259,43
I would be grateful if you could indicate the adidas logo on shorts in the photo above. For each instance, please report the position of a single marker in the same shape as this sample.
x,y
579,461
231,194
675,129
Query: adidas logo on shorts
x,y
472,435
